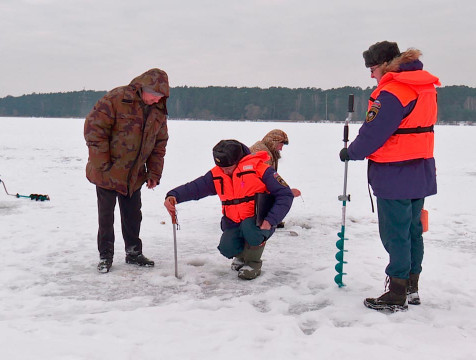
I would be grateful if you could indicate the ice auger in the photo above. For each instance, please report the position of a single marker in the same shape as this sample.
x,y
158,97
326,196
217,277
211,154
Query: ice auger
x,y
344,198
36,197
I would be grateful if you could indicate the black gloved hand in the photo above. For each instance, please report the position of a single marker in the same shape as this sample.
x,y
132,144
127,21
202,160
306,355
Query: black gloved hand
x,y
344,155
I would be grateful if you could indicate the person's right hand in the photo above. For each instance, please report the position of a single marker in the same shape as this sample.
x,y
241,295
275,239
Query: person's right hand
x,y
296,192
169,204
265,225
344,155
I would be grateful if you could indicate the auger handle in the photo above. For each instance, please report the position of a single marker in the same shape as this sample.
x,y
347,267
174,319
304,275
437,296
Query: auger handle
x,y
350,110
350,105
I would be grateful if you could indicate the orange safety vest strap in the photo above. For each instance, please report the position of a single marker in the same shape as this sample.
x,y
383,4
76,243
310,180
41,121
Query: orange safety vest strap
x,y
416,130
220,179
238,201
245,172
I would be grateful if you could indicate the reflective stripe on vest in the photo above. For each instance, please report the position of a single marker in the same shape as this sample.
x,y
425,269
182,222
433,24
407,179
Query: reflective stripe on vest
x,y
414,138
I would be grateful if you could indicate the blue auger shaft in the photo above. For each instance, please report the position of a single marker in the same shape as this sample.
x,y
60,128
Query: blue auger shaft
x,y
344,198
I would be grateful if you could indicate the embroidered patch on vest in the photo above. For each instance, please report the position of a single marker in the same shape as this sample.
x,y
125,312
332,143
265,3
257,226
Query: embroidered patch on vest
x,y
374,109
279,179
248,167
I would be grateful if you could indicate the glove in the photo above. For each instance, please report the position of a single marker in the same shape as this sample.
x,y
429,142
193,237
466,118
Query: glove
x,y
344,155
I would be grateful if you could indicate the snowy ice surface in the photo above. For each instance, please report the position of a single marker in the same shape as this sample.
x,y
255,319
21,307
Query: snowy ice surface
x,y
54,304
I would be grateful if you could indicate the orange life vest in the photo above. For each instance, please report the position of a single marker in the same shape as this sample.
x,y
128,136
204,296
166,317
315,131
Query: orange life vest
x,y
237,192
414,138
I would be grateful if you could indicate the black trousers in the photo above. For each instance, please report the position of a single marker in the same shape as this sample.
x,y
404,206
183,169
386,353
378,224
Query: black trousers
x,y
131,218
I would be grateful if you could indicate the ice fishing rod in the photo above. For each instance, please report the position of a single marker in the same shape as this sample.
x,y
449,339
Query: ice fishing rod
x,y
37,197
175,226
344,198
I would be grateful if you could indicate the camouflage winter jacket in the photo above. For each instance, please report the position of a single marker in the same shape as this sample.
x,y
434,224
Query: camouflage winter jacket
x,y
125,137
268,144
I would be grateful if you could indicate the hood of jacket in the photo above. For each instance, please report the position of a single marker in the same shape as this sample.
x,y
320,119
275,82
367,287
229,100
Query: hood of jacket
x,y
155,79
408,60
404,67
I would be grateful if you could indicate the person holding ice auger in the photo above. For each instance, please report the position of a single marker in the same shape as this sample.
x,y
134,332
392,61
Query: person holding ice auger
x,y
397,138
241,180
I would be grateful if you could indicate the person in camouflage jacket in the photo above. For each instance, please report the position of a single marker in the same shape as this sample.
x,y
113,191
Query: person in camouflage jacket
x,y
273,143
126,134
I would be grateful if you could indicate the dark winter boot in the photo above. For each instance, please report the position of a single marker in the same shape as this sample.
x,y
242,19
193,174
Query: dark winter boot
x,y
104,265
393,300
140,260
238,262
252,266
412,291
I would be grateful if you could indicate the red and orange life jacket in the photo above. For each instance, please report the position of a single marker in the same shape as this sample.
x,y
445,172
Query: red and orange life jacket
x,y
237,192
414,138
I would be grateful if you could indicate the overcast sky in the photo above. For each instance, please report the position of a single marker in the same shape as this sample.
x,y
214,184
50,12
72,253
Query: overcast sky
x,y
68,45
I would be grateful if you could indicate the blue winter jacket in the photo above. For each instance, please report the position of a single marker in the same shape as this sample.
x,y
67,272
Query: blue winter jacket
x,y
411,179
204,186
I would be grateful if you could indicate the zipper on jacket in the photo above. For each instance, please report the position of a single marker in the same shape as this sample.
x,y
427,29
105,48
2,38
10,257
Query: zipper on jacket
x,y
138,153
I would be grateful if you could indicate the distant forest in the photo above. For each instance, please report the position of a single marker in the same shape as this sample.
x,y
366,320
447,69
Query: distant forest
x,y
456,104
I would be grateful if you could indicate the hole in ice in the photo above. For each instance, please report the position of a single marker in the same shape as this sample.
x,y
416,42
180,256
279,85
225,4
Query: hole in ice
x,y
196,262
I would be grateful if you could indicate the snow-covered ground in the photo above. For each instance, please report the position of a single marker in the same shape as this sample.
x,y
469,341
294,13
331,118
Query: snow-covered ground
x,y
54,304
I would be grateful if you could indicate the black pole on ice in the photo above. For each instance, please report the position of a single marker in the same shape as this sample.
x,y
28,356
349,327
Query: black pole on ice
x,y
344,198
37,197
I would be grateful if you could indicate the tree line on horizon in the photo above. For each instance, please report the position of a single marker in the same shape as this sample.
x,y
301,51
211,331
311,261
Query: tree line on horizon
x,y
456,104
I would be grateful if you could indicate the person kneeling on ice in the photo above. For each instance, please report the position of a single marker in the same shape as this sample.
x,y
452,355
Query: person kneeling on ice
x,y
237,178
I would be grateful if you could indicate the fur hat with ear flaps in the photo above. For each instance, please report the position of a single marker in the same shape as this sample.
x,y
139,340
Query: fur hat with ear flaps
x,y
381,52
228,153
388,56
276,136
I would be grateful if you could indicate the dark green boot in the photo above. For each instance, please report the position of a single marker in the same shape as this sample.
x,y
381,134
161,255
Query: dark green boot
x,y
252,266
412,291
393,300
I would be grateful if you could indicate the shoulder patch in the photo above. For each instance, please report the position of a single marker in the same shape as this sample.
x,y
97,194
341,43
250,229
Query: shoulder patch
x,y
373,111
279,179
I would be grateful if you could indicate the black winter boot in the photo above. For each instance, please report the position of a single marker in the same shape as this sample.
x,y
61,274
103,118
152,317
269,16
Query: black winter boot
x,y
412,291
252,266
140,260
104,265
393,300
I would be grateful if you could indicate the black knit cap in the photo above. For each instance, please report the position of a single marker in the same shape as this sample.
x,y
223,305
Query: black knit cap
x,y
227,153
378,53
